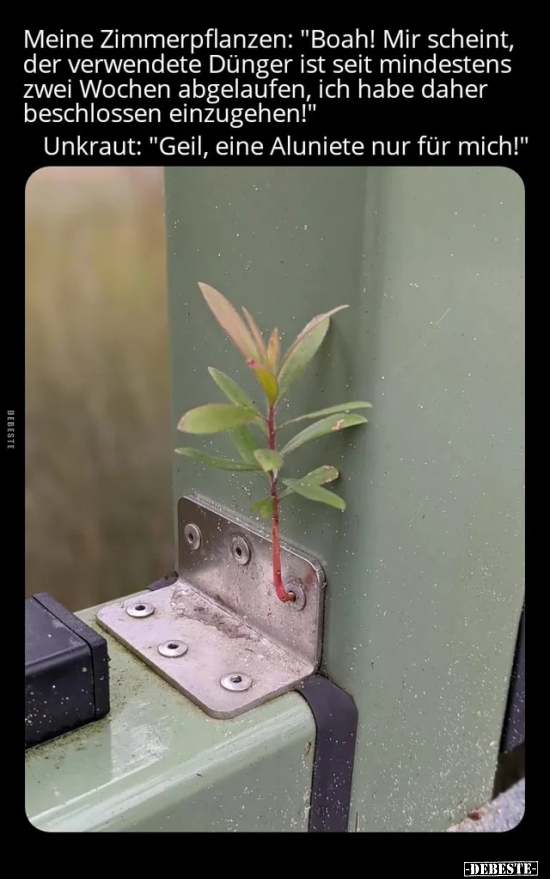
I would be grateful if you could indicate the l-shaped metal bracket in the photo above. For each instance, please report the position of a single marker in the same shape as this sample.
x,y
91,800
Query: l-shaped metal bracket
x,y
223,620
219,634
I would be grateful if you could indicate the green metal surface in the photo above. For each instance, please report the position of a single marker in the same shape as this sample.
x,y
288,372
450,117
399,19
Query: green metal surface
x,y
425,569
159,764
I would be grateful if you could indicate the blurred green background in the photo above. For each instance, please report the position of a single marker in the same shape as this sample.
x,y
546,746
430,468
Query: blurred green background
x,y
98,448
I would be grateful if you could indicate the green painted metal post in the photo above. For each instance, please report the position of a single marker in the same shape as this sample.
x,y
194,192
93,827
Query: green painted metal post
x,y
425,569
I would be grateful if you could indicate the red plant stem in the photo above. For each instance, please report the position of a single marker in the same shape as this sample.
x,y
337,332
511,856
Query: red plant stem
x,y
282,594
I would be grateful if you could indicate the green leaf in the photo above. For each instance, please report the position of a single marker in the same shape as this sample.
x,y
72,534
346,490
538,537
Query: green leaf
x,y
304,349
286,493
245,442
315,493
320,318
215,418
231,389
260,423
234,393
269,383
263,508
219,463
230,321
321,476
301,356
343,408
269,460
333,424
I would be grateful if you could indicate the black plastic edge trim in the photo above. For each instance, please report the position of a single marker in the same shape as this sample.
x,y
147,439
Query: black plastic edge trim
x,y
513,731
98,650
336,720
167,580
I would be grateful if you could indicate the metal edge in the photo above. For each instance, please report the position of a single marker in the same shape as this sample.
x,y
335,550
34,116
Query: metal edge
x,y
336,720
229,714
172,579
167,580
514,718
244,523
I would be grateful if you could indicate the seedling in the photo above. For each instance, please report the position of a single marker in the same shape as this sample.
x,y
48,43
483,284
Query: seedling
x,y
255,434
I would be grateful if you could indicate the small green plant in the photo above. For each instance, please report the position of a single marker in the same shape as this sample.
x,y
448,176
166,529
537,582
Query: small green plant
x,y
255,434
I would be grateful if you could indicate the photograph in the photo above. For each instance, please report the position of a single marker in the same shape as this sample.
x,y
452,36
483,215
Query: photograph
x,y
274,492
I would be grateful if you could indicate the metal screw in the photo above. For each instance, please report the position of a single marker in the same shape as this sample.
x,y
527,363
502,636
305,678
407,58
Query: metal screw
x,y
140,610
300,596
236,681
241,550
173,649
193,536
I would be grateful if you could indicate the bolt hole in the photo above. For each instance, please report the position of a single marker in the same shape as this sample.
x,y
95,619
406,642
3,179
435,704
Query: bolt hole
x,y
140,607
190,538
239,551
173,646
236,679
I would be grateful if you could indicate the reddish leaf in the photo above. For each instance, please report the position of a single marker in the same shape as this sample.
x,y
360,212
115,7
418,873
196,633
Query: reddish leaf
x,y
230,320
257,336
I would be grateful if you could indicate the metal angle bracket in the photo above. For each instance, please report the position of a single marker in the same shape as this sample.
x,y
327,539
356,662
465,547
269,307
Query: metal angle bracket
x,y
219,634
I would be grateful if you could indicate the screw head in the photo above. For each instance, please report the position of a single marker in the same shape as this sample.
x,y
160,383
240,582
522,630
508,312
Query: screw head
x,y
140,609
240,549
300,596
193,537
236,681
173,649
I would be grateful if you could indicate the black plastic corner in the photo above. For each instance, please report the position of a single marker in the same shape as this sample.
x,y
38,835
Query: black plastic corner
x,y
66,671
336,720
